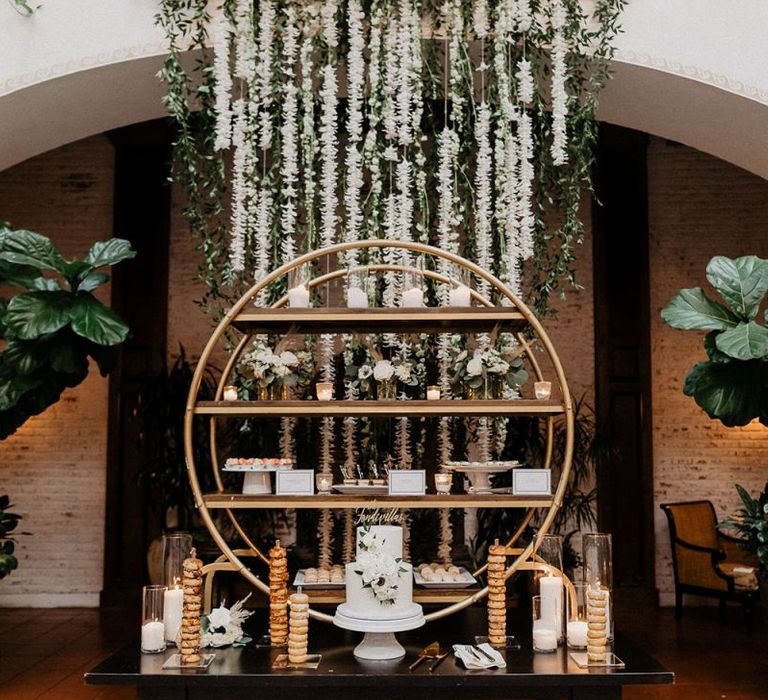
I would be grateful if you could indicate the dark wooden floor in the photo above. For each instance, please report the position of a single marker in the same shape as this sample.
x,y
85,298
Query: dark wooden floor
x,y
43,653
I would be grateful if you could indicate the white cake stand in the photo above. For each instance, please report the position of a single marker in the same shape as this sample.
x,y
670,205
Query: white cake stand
x,y
379,642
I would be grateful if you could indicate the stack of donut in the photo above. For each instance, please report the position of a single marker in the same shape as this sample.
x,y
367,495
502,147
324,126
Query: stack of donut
x,y
497,595
278,595
189,648
299,628
597,624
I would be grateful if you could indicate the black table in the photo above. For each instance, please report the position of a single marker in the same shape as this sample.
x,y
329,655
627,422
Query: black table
x,y
247,672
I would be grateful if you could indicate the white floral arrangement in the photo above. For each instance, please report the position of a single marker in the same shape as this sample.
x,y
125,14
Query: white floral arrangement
x,y
474,368
379,570
285,367
223,626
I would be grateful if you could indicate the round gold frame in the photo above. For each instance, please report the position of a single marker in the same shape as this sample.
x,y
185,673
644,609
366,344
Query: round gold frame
x,y
524,555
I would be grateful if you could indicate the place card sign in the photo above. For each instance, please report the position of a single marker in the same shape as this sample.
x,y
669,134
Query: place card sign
x,y
407,482
532,482
294,482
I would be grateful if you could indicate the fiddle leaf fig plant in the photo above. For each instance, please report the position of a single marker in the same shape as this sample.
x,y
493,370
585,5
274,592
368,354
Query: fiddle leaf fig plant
x,y
732,385
52,327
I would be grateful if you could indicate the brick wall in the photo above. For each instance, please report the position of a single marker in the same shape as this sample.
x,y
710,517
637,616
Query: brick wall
x,y
698,207
54,467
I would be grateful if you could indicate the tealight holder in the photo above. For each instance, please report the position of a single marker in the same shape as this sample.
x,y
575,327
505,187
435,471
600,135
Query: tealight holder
x,y
443,482
230,393
324,482
542,390
324,391
152,619
433,393
298,287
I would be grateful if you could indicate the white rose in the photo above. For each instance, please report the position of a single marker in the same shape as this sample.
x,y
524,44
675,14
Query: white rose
x,y
364,372
219,617
383,371
367,540
475,367
288,358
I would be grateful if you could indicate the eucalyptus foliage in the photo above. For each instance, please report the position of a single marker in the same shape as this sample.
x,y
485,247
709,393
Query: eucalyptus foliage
x,y
732,385
558,188
52,328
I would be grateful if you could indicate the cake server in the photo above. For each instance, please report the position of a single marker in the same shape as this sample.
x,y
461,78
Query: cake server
x,y
428,652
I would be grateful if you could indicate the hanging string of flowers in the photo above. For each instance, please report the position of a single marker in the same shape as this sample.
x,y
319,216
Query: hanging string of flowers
x,y
220,32
559,76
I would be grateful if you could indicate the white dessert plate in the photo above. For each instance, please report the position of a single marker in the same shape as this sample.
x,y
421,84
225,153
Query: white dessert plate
x,y
467,580
299,581
489,467
361,489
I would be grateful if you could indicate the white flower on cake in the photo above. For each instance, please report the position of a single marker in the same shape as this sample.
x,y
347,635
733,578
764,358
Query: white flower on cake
x,y
378,569
222,627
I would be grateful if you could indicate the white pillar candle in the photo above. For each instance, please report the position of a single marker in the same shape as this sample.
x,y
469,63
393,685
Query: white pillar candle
x,y
577,633
459,296
153,636
413,298
298,297
230,393
551,590
174,602
544,639
433,393
356,298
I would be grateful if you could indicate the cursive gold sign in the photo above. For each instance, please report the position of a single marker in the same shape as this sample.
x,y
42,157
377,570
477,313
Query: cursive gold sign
x,y
378,516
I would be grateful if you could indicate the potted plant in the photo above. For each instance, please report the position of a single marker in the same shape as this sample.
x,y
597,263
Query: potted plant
x,y
732,385
751,522
55,325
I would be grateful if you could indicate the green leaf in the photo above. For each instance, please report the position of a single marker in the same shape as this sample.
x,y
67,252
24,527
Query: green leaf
x,y
29,248
742,282
93,280
109,252
76,268
733,392
710,347
18,275
747,341
94,321
691,309
33,314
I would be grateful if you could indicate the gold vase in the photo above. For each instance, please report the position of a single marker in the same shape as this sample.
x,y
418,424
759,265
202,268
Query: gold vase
x,y
386,389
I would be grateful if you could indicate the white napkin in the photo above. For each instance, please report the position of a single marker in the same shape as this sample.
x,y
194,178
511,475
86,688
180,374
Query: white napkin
x,y
471,661
743,570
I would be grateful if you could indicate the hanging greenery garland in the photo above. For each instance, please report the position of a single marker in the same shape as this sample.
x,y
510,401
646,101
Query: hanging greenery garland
x,y
530,103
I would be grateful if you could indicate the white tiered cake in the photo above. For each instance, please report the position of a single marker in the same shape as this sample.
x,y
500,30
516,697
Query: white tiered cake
x,y
379,593
379,583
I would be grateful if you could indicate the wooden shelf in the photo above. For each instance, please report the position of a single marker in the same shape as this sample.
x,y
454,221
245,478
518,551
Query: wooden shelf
x,y
421,408
334,596
471,319
239,501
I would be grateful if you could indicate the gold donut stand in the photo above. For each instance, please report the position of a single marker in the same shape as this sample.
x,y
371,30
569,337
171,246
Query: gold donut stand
x,y
239,318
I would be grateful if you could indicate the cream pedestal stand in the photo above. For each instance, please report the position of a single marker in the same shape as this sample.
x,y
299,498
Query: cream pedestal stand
x,y
380,642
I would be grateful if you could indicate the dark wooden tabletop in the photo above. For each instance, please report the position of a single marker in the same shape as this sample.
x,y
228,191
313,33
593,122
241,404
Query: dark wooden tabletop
x,y
341,675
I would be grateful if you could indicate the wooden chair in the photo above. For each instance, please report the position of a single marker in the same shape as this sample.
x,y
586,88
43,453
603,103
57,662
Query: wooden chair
x,y
704,559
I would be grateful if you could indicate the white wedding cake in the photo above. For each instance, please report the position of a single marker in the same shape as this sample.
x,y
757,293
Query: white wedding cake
x,y
379,583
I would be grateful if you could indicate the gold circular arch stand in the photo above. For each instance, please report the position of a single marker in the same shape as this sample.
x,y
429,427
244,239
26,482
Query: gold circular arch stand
x,y
524,555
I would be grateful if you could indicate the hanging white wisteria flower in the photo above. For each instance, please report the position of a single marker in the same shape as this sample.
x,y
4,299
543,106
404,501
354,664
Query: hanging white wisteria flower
x,y
480,20
261,233
264,71
289,131
220,33
559,77
483,189
328,14
524,16
245,46
328,145
239,217
308,140
525,216
355,87
404,98
524,75
447,221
